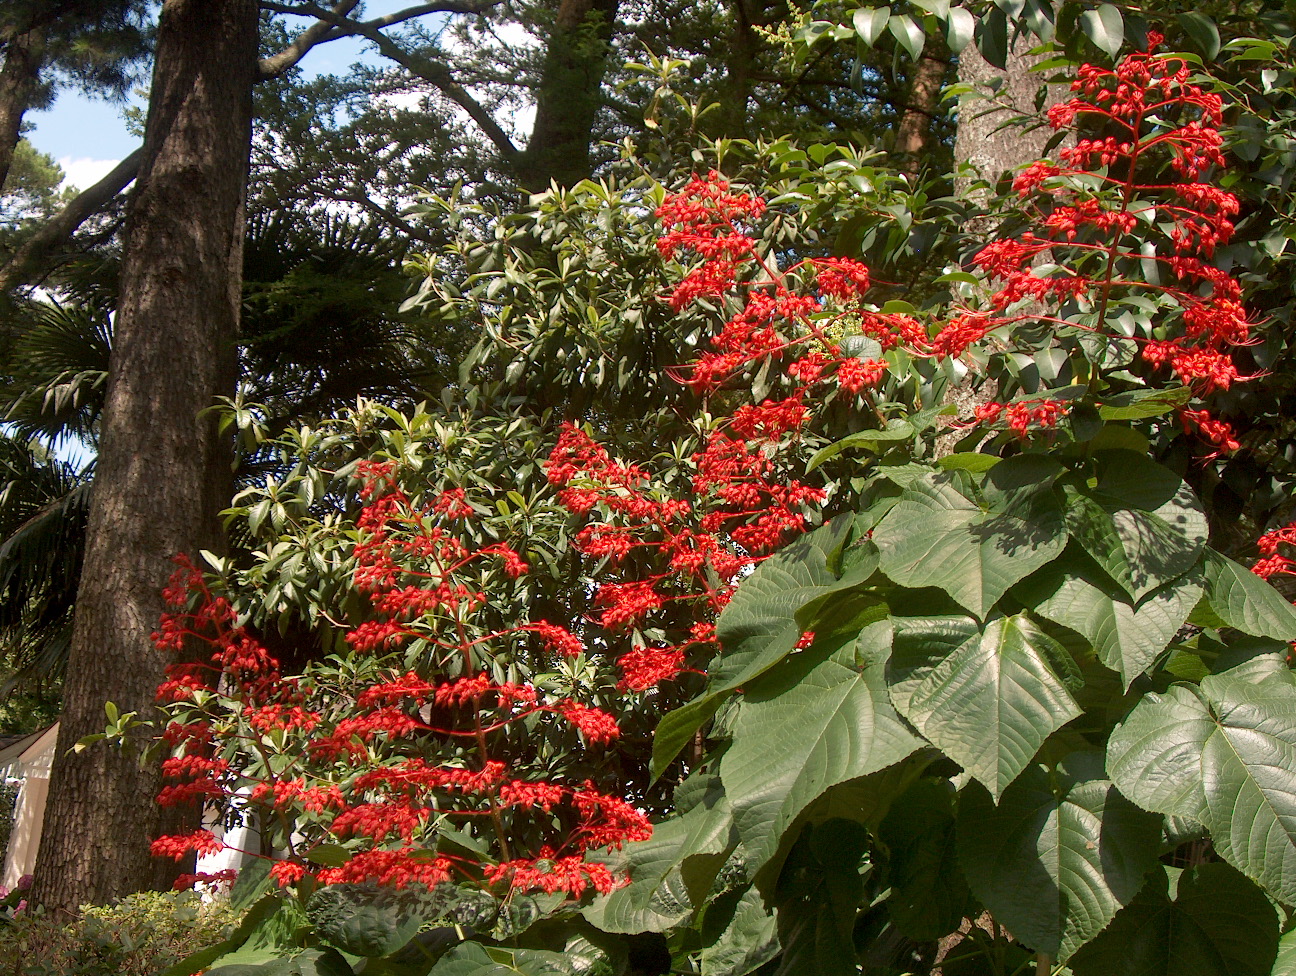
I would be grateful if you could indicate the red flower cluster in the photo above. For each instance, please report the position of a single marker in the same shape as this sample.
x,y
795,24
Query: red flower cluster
x,y
1165,137
382,764
1023,415
1272,561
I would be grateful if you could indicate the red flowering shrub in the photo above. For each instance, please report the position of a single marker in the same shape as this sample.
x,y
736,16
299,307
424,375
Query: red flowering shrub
x,y
1123,224
406,759
359,771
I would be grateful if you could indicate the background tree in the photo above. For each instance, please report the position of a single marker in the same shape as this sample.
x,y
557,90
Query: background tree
x,y
91,45
159,483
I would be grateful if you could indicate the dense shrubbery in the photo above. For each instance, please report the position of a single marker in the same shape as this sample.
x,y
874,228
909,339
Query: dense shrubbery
x,y
1006,675
139,936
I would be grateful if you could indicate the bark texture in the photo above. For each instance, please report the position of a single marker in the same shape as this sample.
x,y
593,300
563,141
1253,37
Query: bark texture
x,y
914,128
163,471
19,81
983,138
570,95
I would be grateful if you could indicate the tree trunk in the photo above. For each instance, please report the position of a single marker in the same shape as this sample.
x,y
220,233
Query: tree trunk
x,y
993,149
19,80
914,128
983,139
741,48
163,470
570,95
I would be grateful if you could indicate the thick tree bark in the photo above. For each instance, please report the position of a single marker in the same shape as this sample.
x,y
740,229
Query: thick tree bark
x,y
570,95
19,80
983,139
914,128
163,471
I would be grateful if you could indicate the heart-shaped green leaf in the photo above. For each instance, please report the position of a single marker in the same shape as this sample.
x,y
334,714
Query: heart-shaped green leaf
x,y
1223,754
938,536
987,698
1059,855
1210,922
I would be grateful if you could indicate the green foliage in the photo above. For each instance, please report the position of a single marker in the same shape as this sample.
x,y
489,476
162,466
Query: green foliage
x,y
1018,683
1014,680
139,936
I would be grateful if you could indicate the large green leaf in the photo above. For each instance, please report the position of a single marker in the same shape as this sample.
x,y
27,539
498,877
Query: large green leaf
x,y
1154,757
474,959
929,896
748,942
759,628
805,729
1245,601
818,899
987,698
1059,856
1223,754
1213,922
1141,404
1141,523
1127,637
658,894
304,962
938,536
375,920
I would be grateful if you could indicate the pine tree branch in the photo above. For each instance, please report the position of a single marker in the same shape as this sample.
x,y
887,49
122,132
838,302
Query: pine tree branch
x,y
36,249
316,33
434,72
331,24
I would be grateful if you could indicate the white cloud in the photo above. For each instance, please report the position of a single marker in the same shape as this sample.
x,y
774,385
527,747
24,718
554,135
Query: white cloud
x,y
83,172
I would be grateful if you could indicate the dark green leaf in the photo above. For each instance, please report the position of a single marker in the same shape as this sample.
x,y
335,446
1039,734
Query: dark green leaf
x,y
1203,32
1213,923
307,962
818,898
870,23
992,38
794,739
1128,638
1105,27
758,629
929,896
472,959
1141,523
1058,856
747,943
986,698
1245,601
1141,404
937,536
657,896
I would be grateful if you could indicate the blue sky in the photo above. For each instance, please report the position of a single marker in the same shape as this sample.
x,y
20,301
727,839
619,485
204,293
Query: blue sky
x,y
87,136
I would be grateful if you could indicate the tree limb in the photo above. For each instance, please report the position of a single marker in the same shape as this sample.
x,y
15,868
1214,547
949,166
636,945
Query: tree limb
x,y
32,253
435,73
277,64
331,24
399,17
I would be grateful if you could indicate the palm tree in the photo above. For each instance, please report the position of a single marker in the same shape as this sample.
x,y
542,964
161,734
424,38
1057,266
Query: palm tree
x,y
321,326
